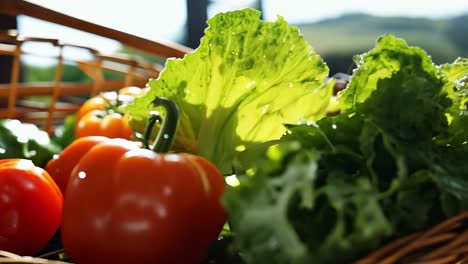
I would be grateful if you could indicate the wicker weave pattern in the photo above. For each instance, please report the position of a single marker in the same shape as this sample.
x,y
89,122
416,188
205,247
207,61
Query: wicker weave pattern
x,y
7,257
64,96
446,243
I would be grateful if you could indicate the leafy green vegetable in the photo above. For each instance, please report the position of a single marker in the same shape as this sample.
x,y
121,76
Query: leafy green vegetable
x,y
270,211
237,89
457,89
394,161
27,141
65,134
456,73
390,55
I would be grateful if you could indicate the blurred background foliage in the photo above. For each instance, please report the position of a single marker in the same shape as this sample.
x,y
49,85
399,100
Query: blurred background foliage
x,y
336,39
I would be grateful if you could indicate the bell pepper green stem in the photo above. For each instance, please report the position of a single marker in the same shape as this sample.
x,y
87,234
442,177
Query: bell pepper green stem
x,y
153,119
166,133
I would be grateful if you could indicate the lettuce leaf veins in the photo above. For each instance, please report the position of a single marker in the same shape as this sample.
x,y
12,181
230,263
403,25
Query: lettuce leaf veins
x,y
245,80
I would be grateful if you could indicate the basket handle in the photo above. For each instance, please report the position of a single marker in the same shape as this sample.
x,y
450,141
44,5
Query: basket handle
x,y
158,48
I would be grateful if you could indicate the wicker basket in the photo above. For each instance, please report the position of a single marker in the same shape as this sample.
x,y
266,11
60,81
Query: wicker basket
x,y
446,243
65,98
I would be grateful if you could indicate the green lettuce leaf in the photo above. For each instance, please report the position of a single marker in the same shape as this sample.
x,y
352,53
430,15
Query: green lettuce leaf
x,y
237,89
392,162
457,89
320,215
457,75
389,56
260,207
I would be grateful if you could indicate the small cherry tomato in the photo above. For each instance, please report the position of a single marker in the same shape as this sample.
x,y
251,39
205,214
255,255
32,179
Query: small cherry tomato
x,y
102,115
101,123
94,103
30,207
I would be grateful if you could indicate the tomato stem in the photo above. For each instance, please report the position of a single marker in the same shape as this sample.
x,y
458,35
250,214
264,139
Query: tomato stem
x,y
166,133
113,107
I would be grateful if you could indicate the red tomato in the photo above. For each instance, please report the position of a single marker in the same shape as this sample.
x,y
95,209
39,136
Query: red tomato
x,y
30,207
125,204
61,166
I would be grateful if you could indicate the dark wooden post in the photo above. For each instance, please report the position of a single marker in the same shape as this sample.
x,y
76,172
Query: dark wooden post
x,y
258,4
6,22
197,15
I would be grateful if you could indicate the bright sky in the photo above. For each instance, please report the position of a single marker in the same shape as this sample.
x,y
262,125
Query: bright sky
x,y
164,19
311,10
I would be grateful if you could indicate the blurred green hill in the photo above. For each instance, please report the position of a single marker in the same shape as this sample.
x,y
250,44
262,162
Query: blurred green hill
x,y
337,40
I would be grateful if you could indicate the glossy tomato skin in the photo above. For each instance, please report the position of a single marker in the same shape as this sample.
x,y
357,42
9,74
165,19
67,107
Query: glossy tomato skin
x,y
61,166
100,123
94,103
30,207
125,204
